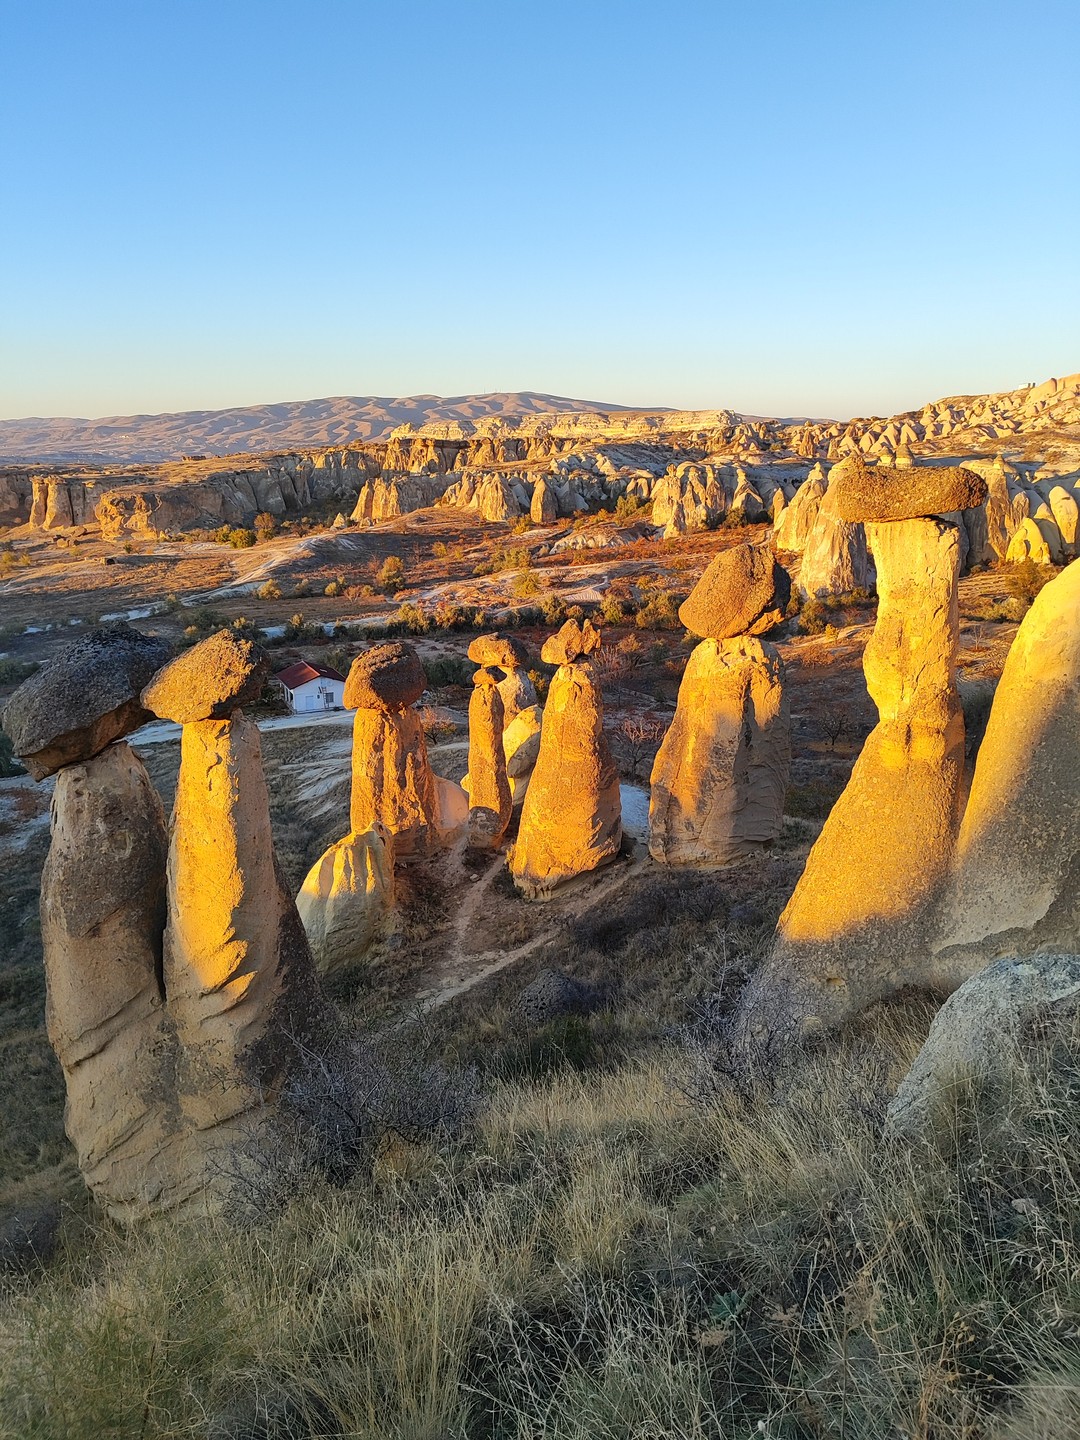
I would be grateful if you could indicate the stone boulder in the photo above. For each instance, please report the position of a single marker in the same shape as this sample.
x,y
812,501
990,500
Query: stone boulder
x,y
742,592
862,493
552,995
82,700
387,677
208,682
982,1041
490,800
721,773
572,642
571,821
521,746
1014,885
347,900
102,923
859,923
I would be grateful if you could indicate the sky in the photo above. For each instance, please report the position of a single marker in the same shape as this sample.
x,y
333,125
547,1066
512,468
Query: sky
x,y
841,208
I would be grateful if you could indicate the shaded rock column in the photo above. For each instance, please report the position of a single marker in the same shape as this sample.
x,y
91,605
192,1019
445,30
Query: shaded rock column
x,y
720,775
490,801
856,927
571,822
102,921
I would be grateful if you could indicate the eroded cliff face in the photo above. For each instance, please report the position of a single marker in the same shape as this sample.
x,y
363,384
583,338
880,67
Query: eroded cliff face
x,y
588,459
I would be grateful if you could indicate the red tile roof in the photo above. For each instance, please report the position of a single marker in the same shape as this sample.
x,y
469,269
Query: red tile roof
x,y
300,673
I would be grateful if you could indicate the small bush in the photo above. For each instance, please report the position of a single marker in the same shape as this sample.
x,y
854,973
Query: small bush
x,y
553,609
1026,579
336,587
8,764
525,585
813,617
391,574
271,590
660,611
448,670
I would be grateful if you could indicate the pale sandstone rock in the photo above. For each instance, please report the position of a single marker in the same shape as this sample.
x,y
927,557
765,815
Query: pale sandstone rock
x,y
743,591
83,699
102,922
518,693
1067,515
747,502
451,819
1027,543
502,651
571,819
490,800
982,1043
859,923
209,681
521,741
241,985
720,775
835,560
1014,886
542,508
796,524
347,900
393,788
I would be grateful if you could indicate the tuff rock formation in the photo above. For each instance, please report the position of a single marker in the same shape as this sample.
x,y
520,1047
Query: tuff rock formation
x,y
1028,543
490,800
571,819
859,923
796,524
102,923
720,775
521,746
542,507
510,656
862,493
70,709
209,681
1014,884
394,789
347,900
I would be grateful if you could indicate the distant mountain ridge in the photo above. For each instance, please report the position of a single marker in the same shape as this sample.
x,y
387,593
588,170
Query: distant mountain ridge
x,y
290,425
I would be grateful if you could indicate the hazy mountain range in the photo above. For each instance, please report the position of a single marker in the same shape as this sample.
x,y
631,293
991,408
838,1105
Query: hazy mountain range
x,y
292,425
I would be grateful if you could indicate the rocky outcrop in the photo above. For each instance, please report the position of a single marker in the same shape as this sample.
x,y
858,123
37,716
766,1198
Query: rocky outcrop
x,y
75,705
346,902
862,494
859,923
102,923
835,560
490,800
542,507
796,524
982,1042
1028,543
571,818
209,681
510,656
743,591
1014,884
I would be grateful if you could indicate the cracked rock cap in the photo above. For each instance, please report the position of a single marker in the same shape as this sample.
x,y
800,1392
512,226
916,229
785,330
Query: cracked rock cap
x,y
209,681
860,492
386,677
743,591
571,643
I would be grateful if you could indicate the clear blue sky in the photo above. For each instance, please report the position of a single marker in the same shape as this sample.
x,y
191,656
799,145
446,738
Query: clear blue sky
x,y
833,208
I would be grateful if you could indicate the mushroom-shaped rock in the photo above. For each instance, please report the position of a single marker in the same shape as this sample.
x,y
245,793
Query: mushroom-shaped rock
x,y
102,921
571,643
863,493
490,800
720,775
571,821
83,699
983,1039
742,592
210,681
859,924
346,900
386,677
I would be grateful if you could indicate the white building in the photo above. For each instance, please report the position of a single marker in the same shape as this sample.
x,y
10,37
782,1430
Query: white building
x,y
312,687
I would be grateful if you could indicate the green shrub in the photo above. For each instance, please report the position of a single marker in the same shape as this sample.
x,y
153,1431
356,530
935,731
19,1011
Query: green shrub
x,y
525,585
271,590
1025,579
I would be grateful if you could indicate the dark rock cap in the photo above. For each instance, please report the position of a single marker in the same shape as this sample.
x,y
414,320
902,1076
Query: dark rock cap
x,y
209,681
386,677
860,492
501,650
743,591
83,699
571,643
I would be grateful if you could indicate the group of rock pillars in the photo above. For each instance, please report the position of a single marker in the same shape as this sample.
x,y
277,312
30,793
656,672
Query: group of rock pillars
x,y
183,978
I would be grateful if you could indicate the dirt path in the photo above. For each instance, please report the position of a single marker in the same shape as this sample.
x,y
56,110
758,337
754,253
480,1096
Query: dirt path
x,y
460,969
